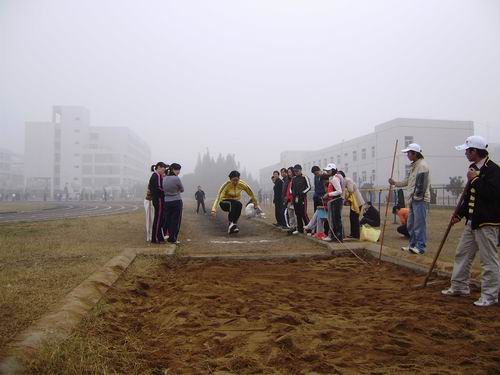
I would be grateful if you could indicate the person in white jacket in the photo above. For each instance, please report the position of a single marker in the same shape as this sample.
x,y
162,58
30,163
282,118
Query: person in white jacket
x,y
418,197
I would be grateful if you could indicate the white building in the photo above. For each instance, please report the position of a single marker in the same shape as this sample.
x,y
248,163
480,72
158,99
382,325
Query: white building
x,y
70,155
368,159
11,172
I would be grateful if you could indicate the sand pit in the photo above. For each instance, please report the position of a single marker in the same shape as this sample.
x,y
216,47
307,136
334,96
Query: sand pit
x,y
311,315
290,317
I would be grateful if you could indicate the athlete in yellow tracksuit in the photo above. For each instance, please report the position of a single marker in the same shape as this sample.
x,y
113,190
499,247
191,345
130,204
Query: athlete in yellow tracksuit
x,y
229,197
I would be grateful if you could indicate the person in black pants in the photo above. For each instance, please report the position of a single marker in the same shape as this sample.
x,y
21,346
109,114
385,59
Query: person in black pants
x,y
278,199
200,200
173,188
157,196
300,187
319,186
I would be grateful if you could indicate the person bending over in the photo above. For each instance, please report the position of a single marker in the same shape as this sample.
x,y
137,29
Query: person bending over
x,y
228,199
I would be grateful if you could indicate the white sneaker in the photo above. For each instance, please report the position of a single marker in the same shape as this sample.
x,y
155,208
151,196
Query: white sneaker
x,y
295,232
405,249
414,250
484,303
328,239
230,228
454,293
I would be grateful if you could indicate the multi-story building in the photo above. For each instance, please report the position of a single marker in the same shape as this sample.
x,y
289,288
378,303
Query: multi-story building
x,y
11,172
72,157
368,159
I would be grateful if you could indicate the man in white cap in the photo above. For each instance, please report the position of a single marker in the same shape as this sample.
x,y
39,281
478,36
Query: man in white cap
x,y
335,203
481,210
418,196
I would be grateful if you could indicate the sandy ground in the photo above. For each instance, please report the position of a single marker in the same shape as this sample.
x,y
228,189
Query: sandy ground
x,y
305,316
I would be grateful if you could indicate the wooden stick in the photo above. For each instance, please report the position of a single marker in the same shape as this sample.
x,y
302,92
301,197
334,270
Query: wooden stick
x,y
387,204
445,236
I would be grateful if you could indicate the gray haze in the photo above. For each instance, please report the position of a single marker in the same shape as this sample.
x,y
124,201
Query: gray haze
x,y
249,77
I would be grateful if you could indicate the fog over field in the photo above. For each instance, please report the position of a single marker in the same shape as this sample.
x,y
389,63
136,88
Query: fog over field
x,y
250,78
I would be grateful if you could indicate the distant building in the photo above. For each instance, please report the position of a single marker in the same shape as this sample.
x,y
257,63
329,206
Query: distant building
x,y
11,172
368,159
68,156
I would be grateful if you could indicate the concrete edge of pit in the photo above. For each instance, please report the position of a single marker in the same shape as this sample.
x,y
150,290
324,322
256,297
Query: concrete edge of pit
x,y
68,313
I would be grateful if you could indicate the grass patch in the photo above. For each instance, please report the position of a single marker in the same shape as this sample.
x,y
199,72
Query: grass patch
x,y
43,261
9,207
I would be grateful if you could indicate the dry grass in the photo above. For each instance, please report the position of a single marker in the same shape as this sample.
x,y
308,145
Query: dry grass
x,y
9,207
42,262
95,354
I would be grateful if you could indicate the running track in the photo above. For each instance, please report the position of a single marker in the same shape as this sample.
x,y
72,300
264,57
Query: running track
x,y
70,210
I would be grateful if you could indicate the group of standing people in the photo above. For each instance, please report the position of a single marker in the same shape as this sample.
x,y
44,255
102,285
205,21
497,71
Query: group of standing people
x,y
164,203
332,190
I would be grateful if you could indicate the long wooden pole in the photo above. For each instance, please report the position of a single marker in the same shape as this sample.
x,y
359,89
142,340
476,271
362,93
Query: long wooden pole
x,y
443,240
387,204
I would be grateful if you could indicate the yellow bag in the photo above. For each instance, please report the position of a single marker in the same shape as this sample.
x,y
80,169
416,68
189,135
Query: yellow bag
x,y
369,233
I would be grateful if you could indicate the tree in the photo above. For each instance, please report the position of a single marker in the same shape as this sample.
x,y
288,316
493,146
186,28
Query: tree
x,y
456,185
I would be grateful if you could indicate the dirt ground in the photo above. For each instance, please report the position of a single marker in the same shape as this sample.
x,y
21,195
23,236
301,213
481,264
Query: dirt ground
x,y
312,315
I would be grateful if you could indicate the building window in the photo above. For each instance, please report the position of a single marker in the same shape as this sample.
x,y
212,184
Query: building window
x,y
339,160
332,160
373,151
363,176
372,178
354,156
408,140
363,154
346,168
355,177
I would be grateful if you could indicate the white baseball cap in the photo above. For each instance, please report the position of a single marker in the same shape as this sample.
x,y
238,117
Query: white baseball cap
x,y
474,141
413,147
330,167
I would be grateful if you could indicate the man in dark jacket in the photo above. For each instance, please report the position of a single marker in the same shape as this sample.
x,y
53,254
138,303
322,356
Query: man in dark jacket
x,y
371,216
200,199
481,210
300,187
319,186
278,199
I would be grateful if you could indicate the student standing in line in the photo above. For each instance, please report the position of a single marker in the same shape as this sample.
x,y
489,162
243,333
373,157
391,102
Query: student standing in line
x,y
319,187
200,200
334,205
284,176
228,198
481,210
290,210
157,196
353,198
173,188
300,187
277,199
418,198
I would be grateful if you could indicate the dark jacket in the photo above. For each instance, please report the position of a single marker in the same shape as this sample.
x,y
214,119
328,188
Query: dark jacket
x,y
319,186
278,192
300,186
285,186
371,217
156,187
481,203
199,195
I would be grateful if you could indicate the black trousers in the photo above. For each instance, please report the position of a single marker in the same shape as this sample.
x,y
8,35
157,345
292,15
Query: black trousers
x,y
404,230
354,219
233,207
335,219
202,203
173,217
300,206
279,213
158,221
317,201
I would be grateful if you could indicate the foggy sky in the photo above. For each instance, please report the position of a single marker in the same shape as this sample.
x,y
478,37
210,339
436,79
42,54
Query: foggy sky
x,y
248,77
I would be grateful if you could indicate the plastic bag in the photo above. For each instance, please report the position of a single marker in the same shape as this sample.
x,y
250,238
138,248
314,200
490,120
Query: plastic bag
x,y
369,233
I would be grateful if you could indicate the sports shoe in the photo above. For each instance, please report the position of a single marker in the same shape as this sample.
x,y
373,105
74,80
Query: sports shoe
x,y
484,303
233,228
291,230
230,229
414,250
295,231
405,249
454,293
328,239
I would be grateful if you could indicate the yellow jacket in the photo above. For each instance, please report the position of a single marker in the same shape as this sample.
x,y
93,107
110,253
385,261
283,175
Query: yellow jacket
x,y
230,191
